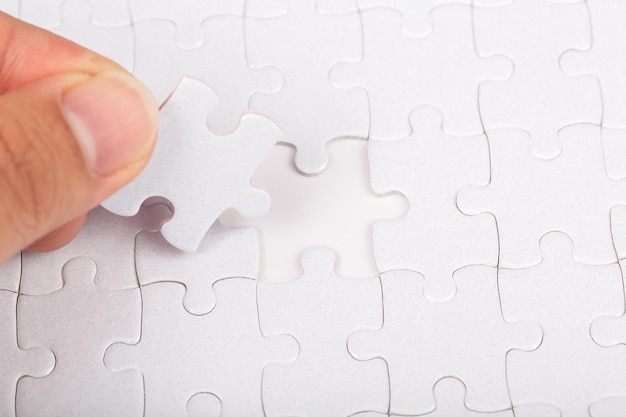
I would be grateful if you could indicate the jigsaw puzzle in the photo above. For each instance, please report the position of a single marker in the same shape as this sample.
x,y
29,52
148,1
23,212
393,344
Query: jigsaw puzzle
x,y
372,208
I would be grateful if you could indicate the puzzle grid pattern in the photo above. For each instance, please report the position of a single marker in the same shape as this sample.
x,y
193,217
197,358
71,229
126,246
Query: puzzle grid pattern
x,y
499,293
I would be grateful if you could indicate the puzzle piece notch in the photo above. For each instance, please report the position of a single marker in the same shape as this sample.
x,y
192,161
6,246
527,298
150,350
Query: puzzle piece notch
x,y
107,239
423,341
530,197
563,297
514,31
335,208
417,67
602,58
614,145
98,317
204,404
219,62
429,167
11,273
198,173
304,45
188,16
48,14
223,253
320,309
16,362
229,366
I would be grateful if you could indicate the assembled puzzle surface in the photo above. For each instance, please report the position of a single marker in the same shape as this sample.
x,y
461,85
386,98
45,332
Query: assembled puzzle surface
x,y
355,208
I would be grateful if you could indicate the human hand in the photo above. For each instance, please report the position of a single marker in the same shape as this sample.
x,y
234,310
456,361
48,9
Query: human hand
x,y
74,128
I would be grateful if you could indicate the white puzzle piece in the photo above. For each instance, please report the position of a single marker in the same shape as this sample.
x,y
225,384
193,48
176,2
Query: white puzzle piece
x,y
204,404
224,253
539,97
401,73
435,238
219,62
450,397
530,197
564,297
187,15
11,273
198,173
335,208
107,239
320,309
605,59
113,42
223,352
304,45
17,361
78,323
48,13
423,341
416,14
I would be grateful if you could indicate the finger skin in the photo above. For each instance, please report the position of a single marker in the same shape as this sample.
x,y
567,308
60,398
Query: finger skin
x,y
46,178
59,237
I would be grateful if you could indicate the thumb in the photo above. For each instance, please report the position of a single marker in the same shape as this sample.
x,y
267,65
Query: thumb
x,y
68,141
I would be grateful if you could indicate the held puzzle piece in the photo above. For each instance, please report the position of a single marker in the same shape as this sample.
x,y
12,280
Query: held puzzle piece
x,y
497,120
198,173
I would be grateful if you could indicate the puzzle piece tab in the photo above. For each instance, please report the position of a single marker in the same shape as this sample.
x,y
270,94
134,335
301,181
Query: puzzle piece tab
x,y
198,173
223,352
77,323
